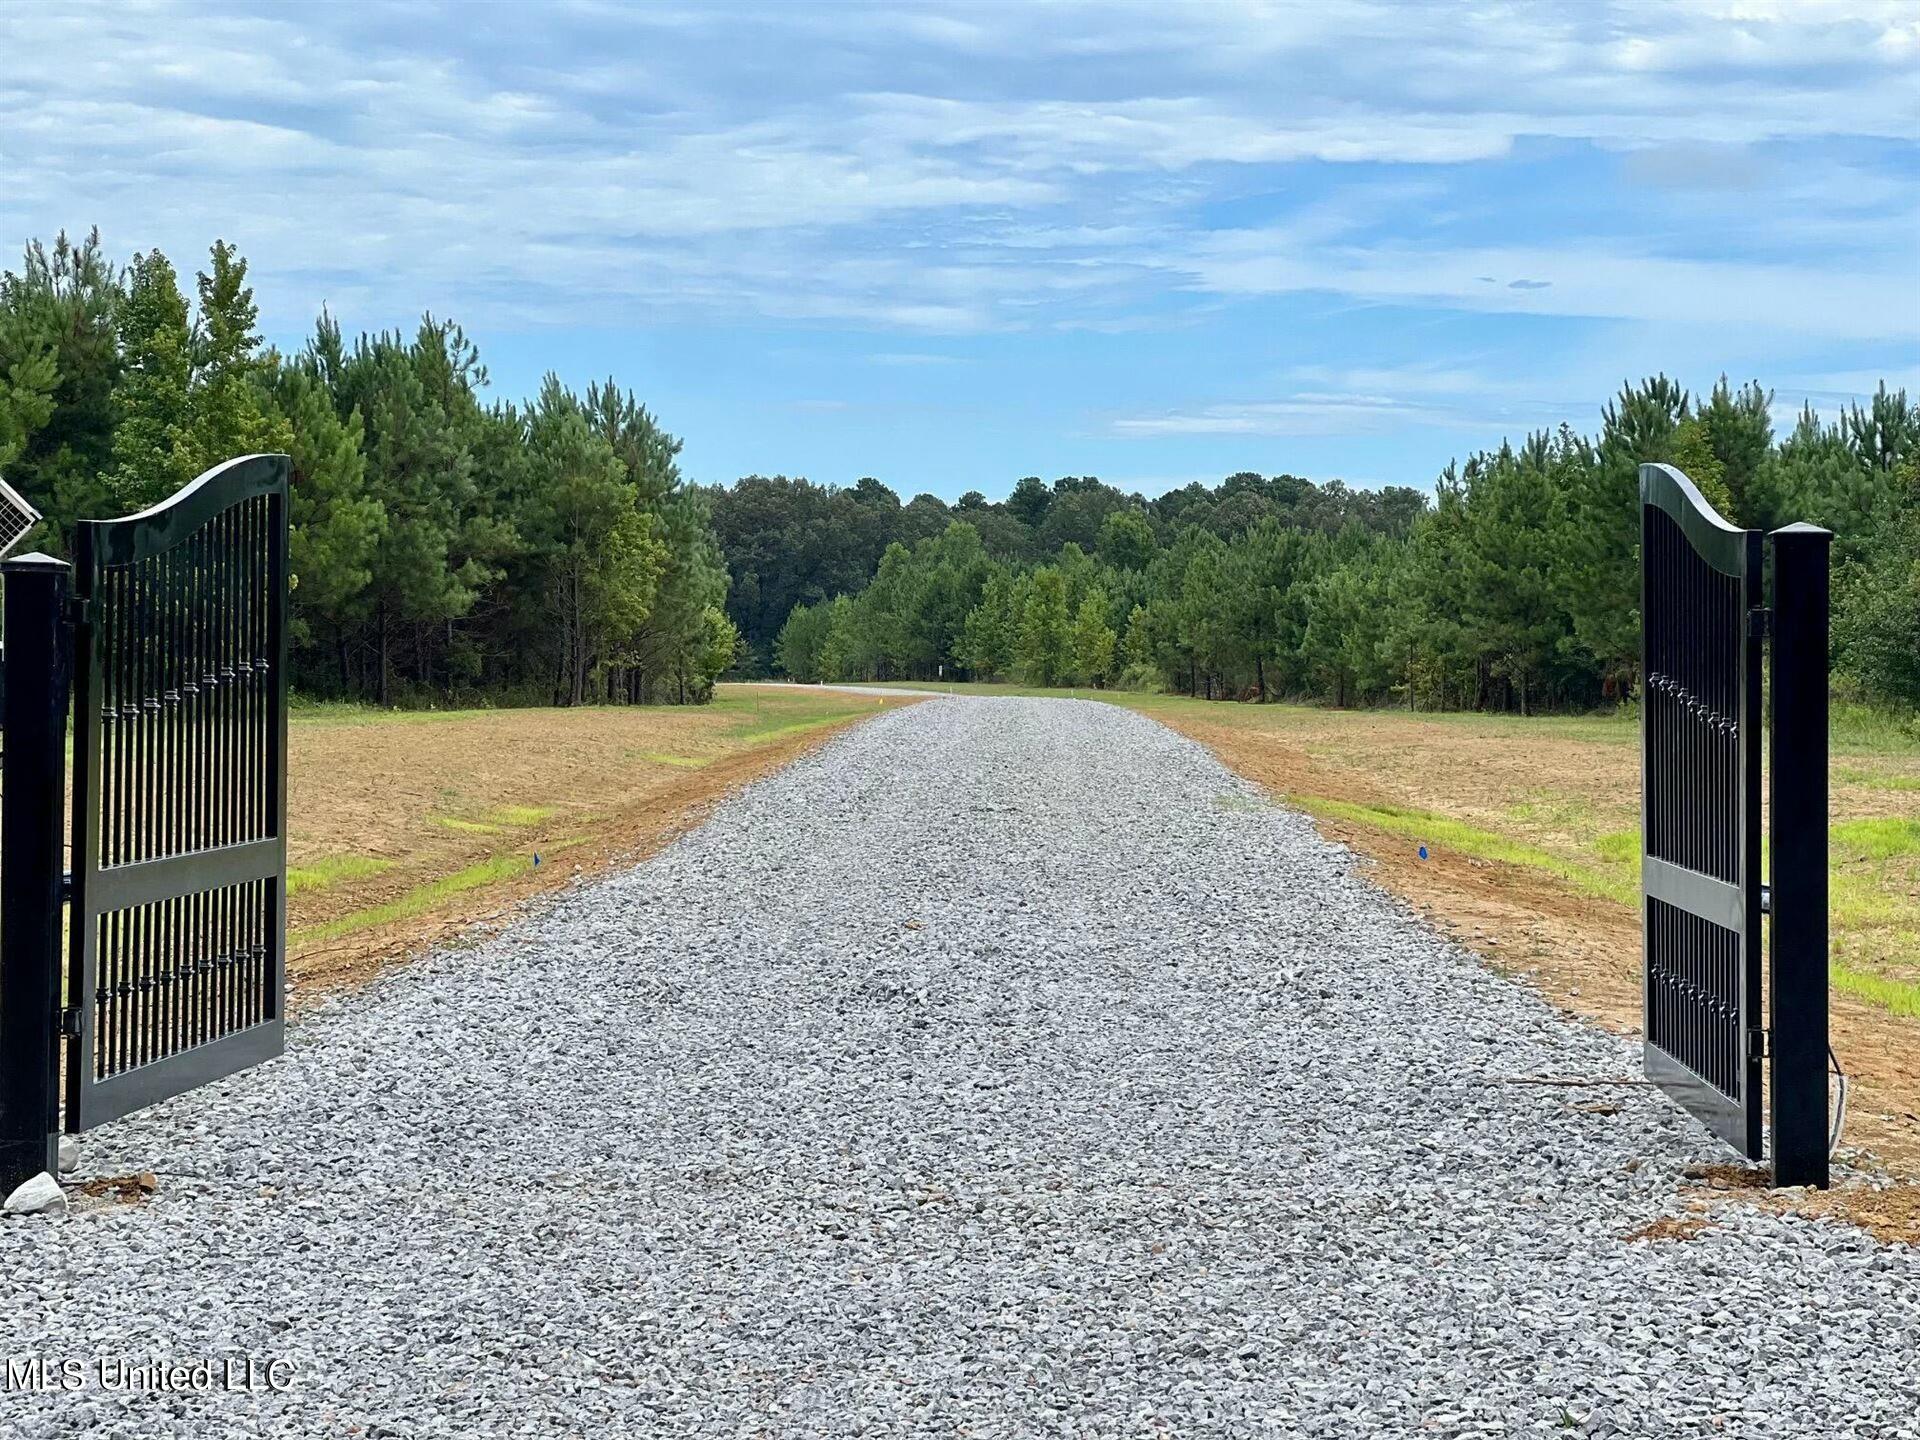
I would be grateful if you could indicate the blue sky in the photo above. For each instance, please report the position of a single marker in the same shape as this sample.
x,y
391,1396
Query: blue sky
x,y
953,244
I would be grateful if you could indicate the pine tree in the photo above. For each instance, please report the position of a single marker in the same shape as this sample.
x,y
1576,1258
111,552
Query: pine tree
x,y
153,453
335,525
598,558
989,636
29,374
802,641
445,538
1045,645
1597,553
1876,621
1738,426
228,416
1091,642
59,367
1126,540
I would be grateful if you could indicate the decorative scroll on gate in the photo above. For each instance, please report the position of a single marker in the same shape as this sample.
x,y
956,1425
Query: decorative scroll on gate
x,y
177,952
1700,796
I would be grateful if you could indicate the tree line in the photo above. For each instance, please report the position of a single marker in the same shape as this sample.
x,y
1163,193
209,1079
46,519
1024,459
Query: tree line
x,y
444,546
1516,588
449,548
791,542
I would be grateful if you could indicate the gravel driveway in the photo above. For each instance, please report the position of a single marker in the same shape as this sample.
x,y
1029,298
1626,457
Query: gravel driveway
x,y
1004,1068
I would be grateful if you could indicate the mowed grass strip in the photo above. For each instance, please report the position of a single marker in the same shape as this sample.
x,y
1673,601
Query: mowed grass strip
x,y
1437,831
331,870
416,902
505,817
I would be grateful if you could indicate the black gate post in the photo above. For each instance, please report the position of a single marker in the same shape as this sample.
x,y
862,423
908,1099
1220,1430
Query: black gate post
x,y
33,774
1797,835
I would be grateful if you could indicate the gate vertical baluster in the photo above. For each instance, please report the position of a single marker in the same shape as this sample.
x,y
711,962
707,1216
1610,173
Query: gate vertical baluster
x,y
117,1059
222,765
182,1009
236,752
200,828
209,621
183,840
177,697
112,1032
150,801
236,788
143,809
160,799
278,600
152,782
155,791
155,797
198,786
106,625
203,702
223,671
159,997
109,792
244,617
111,967
266,678
243,777
150,1009
249,612
243,1009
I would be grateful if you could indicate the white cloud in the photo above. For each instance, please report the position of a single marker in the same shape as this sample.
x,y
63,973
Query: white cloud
x,y
1578,280
955,168
1305,414
1319,401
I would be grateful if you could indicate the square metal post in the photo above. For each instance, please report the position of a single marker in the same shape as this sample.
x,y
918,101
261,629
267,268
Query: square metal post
x,y
33,774
1797,832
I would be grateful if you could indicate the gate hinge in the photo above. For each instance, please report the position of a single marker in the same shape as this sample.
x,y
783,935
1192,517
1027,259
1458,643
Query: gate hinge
x,y
1756,1044
81,609
1758,620
70,1021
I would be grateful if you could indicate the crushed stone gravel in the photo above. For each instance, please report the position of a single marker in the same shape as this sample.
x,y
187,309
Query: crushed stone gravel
x,y
1003,1068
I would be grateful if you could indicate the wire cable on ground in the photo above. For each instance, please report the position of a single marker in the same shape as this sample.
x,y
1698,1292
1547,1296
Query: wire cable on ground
x,y
1840,1108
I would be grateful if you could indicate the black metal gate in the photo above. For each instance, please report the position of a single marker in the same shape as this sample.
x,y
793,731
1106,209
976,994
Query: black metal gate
x,y
1700,798
177,953
1713,1031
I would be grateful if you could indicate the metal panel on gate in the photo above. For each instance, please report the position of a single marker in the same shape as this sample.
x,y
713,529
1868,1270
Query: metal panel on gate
x,y
177,953
1700,799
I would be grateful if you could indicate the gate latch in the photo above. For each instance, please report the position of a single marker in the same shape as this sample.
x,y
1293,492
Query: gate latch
x,y
1756,1044
70,1021
1758,620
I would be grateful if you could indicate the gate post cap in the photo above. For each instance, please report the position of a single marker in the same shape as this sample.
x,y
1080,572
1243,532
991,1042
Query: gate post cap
x,y
35,561
1800,527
